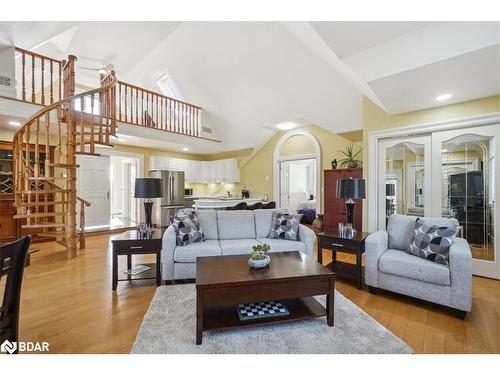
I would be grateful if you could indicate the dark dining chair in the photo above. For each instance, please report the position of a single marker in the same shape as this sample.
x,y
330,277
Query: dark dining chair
x,y
239,206
255,206
12,260
269,205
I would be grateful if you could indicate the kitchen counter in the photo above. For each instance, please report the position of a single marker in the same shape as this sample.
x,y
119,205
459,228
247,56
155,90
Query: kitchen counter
x,y
221,203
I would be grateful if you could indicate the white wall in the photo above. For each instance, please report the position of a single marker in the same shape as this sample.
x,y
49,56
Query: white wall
x,y
8,70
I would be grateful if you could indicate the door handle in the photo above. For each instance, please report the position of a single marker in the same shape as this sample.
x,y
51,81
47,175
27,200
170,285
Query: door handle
x,y
107,195
337,244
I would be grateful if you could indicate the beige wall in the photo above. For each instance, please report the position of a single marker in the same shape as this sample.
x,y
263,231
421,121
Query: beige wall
x,y
297,145
257,172
7,135
375,118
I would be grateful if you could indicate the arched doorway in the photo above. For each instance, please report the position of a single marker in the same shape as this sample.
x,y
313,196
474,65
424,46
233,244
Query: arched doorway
x,y
296,171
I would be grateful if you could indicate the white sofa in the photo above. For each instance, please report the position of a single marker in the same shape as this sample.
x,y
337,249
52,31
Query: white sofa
x,y
226,233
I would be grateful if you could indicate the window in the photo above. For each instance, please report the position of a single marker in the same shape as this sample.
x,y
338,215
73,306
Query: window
x,y
169,88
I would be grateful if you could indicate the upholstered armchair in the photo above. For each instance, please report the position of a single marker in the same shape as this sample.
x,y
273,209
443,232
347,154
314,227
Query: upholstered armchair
x,y
390,267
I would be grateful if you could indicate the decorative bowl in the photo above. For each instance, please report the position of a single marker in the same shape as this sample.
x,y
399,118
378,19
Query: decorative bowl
x,y
259,263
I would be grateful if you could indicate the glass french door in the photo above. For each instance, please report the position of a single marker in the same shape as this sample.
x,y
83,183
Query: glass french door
x,y
446,174
403,185
464,181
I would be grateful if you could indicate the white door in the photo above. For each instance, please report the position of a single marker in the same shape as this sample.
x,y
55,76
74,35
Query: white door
x,y
403,187
464,187
93,185
298,180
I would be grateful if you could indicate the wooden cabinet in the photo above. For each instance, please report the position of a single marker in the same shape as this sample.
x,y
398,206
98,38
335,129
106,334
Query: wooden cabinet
x,y
335,211
10,228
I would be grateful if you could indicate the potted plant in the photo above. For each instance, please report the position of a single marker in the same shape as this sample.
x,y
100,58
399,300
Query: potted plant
x,y
350,160
259,257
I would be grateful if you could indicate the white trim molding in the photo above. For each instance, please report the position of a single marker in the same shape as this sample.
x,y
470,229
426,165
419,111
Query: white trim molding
x,y
407,131
316,156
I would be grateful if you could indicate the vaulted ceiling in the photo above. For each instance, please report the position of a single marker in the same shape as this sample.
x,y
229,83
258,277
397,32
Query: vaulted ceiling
x,y
250,76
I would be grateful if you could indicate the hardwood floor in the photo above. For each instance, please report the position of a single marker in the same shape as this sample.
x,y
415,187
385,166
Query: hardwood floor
x,y
69,303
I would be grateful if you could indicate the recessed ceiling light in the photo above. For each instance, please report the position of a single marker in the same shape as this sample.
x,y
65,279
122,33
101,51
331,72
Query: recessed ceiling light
x,y
285,125
442,97
185,149
14,123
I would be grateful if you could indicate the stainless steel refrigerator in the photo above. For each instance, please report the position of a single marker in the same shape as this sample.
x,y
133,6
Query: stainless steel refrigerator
x,y
173,195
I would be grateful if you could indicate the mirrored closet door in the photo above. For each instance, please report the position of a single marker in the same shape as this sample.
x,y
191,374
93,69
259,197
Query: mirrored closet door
x,y
403,185
465,188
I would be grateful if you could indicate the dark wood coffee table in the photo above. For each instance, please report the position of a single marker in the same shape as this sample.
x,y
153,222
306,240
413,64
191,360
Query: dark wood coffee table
x,y
292,278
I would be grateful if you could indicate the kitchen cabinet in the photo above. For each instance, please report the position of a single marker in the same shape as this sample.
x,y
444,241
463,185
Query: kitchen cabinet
x,y
231,170
206,172
214,171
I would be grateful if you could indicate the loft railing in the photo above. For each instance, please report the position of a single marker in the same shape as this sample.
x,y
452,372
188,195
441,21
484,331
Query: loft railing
x,y
142,107
43,80
39,78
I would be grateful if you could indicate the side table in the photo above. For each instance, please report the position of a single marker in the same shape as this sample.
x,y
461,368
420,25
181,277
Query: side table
x,y
331,240
129,244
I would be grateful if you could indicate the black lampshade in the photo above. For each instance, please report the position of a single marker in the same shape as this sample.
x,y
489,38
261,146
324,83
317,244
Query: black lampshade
x,y
351,188
148,188
390,191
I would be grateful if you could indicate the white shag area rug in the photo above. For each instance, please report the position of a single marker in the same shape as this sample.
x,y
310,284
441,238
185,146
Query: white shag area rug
x,y
169,328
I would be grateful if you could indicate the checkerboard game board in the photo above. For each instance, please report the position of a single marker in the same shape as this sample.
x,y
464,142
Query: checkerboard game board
x,y
260,310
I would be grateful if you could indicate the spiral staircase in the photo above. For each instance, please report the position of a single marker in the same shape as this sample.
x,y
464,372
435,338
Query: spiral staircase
x,y
45,188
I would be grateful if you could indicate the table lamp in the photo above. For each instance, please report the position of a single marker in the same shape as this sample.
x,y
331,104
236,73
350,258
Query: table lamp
x,y
350,188
148,188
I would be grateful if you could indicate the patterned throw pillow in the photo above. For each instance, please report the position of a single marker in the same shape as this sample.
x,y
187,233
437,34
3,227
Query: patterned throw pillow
x,y
187,227
285,226
432,242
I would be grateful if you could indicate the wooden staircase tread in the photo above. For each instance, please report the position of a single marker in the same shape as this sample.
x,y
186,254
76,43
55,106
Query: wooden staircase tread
x,y
86,153
52,234
47,203
45,225
39,214
51,178
43,192
62,165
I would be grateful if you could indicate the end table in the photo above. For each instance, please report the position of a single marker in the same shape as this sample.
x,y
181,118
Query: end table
x,y
331,240
129,244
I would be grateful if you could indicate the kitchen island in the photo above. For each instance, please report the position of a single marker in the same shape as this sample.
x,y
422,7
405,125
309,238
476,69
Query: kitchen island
x,y
223,203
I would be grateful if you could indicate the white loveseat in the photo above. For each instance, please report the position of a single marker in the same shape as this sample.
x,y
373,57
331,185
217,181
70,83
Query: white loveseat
x,y
226,233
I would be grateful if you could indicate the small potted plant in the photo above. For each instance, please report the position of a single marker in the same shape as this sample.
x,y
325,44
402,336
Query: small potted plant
x,y
350,160
259,257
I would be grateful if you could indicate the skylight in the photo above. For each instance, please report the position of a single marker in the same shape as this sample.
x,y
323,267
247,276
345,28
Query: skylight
x,y
169,88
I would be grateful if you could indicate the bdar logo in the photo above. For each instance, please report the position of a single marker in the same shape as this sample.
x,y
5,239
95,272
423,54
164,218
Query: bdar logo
x,y
8,347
